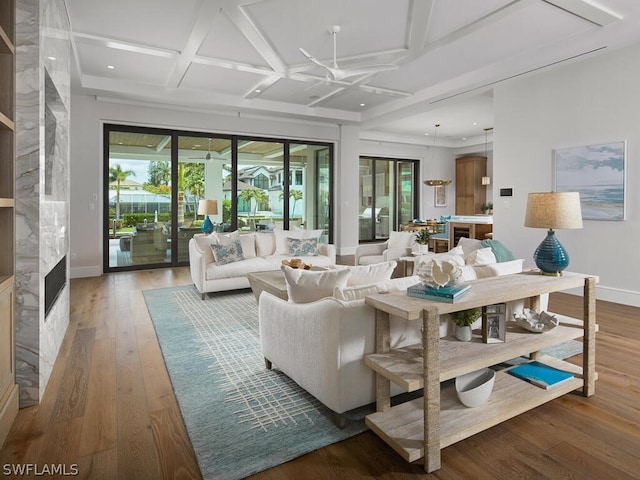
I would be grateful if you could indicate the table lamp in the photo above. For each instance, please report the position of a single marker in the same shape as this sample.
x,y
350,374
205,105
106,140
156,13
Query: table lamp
x,y
552,210
206,208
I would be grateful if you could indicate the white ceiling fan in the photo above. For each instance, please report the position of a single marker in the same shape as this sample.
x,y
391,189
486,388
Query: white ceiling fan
x,y
206,157
334,72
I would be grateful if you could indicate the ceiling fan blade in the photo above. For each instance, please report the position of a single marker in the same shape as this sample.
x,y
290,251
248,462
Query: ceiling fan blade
x,y
313,59
365,70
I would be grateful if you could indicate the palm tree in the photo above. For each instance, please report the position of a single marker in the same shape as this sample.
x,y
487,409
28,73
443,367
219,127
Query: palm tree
x,y
259,196
296,195
117,176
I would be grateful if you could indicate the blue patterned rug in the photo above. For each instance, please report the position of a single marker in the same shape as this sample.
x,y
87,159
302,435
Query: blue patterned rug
x,y
241,417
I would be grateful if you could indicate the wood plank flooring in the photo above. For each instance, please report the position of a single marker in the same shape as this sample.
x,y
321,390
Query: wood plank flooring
x,y
109,408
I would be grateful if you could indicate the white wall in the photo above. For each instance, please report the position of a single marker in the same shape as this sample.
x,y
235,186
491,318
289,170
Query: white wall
x,y
594,101
87,119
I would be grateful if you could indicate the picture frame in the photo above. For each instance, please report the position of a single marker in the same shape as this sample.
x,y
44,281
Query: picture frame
x,y
440,195
494,323
598,173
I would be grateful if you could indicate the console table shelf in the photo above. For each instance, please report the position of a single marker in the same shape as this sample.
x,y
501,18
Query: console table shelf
x,y
422,427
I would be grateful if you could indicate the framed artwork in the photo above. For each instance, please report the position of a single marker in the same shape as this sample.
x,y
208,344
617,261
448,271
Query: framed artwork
x,y
597,172
494,326
440,196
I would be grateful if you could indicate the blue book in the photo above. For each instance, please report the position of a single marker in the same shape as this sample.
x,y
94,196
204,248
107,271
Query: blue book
x,y
540,374
442,294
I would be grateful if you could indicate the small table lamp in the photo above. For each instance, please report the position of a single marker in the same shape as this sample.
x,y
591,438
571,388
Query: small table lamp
x,y
206,208
552,210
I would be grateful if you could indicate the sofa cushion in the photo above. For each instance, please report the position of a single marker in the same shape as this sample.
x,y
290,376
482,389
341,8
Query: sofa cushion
x,y
265,244
203,243
371,259
473,272
282,248
302,246
455,256
368,274
248,242
481,256
228,253
354,292
304,286
237,269
401,239
469,244
224,238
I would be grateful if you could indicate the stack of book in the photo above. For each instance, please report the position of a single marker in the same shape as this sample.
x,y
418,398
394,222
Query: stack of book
x,y
540,374
442,294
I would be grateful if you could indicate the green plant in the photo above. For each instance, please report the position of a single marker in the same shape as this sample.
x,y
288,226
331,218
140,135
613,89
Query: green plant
x,y
465,318
422,237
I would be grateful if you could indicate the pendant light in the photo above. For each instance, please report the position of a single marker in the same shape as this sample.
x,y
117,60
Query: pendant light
x,y
435,183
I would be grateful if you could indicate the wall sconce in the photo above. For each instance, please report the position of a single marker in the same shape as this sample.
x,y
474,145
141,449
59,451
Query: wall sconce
x,y
486,180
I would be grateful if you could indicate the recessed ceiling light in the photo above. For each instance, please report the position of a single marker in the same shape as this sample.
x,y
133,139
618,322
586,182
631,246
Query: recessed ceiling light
x,y
257,90
427,134
51,58
110,67
464,138
475,123
362,104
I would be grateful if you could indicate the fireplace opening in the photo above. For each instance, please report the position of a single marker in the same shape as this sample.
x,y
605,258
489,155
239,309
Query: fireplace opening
x,y
54,282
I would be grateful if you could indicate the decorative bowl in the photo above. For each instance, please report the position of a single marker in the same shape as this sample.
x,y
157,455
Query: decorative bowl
x,y
474,388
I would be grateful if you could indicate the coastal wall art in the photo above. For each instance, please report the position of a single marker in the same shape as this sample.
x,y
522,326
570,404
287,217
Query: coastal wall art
x,y
597,172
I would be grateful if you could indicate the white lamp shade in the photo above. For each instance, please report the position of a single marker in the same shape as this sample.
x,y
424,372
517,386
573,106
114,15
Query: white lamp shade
x,y
486,180
553,210
208,207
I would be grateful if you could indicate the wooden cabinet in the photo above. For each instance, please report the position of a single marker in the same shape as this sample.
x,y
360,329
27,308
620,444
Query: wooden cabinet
x,y
470,193
422,427
8,387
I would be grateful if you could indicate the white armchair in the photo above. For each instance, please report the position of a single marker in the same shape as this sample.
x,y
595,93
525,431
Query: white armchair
x,y
398,245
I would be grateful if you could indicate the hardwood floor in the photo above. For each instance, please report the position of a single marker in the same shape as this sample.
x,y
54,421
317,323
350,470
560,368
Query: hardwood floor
x,y
109,408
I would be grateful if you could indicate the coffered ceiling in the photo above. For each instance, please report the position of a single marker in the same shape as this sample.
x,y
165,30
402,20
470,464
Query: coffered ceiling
x,y
243,55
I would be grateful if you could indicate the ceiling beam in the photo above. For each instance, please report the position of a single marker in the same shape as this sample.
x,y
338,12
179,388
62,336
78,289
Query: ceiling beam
x,y
209,10
123,45
587,11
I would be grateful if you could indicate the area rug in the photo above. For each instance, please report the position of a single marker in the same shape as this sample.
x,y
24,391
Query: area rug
x,y
241,418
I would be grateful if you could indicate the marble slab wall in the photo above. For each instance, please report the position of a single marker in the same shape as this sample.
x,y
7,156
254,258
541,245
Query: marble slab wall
x,y
42,186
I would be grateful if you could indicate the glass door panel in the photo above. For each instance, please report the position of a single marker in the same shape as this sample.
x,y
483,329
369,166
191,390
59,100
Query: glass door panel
x,y
204,166
367,212
260,185
406,192
384,196
138,198
322,218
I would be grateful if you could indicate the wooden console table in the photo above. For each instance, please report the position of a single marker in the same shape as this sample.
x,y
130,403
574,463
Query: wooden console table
x,y
422,427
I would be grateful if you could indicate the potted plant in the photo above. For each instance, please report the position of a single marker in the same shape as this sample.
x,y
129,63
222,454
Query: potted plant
x,y
463,320
487,208
422,241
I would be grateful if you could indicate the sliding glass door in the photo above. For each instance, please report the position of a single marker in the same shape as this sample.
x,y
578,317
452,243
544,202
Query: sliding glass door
x,y
388,196
156,179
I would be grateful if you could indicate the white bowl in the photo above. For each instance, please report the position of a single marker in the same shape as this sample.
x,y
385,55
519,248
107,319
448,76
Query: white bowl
x,y
474,388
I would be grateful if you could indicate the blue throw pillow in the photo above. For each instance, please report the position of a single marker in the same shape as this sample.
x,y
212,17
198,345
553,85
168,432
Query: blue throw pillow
x,y
303,247
502,253
229,253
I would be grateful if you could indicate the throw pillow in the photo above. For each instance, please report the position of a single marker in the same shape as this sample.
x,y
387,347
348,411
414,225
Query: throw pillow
x,y
265,244
282,247
469,244
455,256
303,247
502,253
248,242
481,256
204,245
229,253
401,239
374,273
304,286
225,238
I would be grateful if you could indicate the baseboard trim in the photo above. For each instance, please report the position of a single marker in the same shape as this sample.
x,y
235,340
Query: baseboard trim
x,y
83,272
609,294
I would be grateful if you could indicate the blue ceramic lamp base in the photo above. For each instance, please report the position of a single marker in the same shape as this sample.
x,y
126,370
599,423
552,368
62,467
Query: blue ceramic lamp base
x,y
550,256
207,226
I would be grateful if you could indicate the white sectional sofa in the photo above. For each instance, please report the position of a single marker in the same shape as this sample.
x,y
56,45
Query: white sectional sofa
x,y
321,344
261,251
